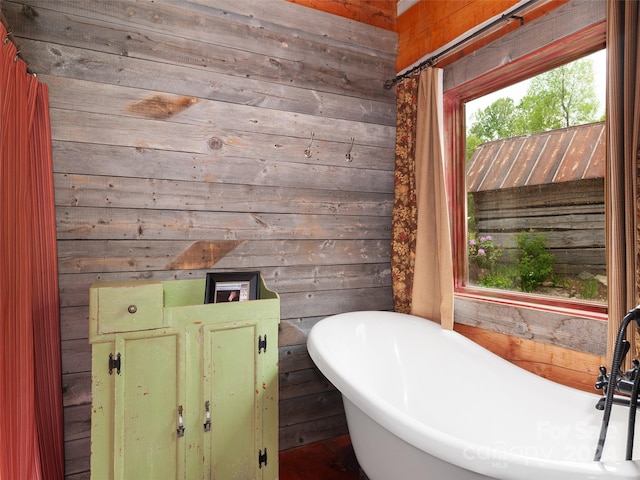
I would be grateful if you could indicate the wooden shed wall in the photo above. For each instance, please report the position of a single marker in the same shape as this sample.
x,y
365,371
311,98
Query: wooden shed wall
x,y
179,132
570,215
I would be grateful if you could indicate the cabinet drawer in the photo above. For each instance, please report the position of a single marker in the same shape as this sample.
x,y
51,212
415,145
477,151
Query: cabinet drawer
x,y
129,307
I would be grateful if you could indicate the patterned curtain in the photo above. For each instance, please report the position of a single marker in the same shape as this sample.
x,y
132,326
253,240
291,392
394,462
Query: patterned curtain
x,y
421,251
405,212
31,441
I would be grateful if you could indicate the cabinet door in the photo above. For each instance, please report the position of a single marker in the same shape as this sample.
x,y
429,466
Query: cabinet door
x,y
232,446
147,399
240,380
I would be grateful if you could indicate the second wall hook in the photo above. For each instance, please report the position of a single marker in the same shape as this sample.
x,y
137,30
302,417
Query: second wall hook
x,y
348,156
307,152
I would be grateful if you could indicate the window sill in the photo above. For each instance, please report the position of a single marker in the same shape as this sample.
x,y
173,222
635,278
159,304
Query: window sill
x,y
564,326
573,307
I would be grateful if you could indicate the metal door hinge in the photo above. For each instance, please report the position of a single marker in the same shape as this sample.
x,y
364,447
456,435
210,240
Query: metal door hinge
x,y
262,458
114,363
262,344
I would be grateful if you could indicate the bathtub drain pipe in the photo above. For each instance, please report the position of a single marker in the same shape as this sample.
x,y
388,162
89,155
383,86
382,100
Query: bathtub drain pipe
x,y
615,382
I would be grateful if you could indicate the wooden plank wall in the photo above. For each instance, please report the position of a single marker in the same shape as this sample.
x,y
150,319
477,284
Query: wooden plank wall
x,y
179,131
569,367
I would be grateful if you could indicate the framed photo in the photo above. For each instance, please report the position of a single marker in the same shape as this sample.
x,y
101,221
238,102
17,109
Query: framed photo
x,y
231,287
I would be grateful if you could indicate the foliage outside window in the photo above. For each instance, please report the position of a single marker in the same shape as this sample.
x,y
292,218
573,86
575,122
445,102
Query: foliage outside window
x,y
518,238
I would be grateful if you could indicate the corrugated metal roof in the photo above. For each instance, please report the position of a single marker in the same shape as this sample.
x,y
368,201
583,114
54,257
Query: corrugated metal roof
x,y
564,155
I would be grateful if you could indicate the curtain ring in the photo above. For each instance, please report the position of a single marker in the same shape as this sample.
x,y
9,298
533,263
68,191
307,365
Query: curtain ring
x,y
6,40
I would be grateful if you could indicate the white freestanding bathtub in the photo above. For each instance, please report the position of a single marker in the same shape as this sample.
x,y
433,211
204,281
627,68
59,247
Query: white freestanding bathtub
x,y
427,403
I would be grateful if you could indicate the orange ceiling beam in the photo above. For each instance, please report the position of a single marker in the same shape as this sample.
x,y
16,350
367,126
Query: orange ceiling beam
x,y
380,13
431,24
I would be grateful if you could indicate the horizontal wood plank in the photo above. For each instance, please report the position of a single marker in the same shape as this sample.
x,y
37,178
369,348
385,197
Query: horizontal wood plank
x,y
337,75
331,302
140,162
77,420
127,192
83,96
560,329
64,62
126,224
312,431
294,357
74,288
568,367
311,407
105,256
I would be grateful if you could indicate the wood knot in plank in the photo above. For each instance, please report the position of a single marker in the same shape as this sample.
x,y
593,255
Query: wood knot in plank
x,y
160,107
29,12
215,143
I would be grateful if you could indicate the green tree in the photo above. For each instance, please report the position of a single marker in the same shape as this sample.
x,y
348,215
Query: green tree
x,y
560,98
496,121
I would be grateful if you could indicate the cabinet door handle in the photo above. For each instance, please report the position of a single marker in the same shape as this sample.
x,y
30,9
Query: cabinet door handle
x,y
207,424
180,422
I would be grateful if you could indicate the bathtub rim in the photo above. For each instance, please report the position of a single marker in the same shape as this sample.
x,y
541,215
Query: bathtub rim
x,y
449,447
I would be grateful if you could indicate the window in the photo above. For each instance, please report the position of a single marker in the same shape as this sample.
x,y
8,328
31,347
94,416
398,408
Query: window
x,y
528,224
535,184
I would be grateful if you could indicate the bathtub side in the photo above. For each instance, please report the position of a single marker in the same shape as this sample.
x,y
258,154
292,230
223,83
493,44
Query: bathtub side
x,y
454,400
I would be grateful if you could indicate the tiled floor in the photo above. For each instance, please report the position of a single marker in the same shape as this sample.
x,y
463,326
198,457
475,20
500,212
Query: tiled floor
x,y
328,460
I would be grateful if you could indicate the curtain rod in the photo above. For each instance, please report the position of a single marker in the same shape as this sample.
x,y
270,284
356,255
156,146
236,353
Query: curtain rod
x,y
11,38
431,61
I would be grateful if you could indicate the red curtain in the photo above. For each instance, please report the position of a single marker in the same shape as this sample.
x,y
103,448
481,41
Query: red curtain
x,y
31,441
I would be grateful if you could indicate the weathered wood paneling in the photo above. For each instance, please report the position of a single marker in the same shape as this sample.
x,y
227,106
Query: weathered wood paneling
x,y
559,329
569,367
179,131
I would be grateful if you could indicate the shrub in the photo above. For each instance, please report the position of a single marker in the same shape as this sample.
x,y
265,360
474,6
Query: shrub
x,y
533,260
502,277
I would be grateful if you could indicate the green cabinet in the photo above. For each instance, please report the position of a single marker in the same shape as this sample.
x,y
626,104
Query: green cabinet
x,y
182,389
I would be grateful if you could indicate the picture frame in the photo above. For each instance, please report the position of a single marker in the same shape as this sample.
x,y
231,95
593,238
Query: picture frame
x,y
225,287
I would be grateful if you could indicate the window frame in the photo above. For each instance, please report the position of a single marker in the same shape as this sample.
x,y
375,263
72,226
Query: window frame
x,y
564,50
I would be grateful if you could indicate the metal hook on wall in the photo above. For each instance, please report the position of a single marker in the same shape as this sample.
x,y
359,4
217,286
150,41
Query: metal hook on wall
x,y
307,151
348,156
